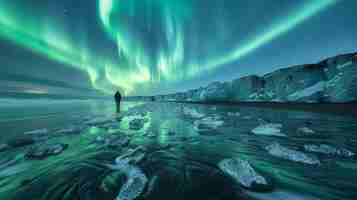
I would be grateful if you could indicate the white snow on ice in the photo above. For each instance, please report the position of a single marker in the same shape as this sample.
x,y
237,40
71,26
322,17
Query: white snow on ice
x,y
209,122
318,87
269,129
192,112
344,65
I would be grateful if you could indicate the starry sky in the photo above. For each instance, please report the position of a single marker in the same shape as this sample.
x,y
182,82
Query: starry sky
x,y
90,48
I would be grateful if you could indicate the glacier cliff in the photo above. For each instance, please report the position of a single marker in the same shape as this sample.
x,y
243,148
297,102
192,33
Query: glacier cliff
x,y
331,80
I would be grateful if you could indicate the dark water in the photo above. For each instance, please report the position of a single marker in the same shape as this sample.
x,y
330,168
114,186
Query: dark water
x,y
79,172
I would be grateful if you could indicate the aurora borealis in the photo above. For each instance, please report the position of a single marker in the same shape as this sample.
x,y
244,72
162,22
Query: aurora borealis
x,y
157,46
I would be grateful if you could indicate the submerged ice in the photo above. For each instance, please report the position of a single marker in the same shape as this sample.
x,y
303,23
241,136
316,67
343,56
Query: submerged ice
x,y
243,173
277,150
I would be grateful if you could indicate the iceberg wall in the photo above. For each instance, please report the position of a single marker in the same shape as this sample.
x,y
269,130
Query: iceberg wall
x,y
331,80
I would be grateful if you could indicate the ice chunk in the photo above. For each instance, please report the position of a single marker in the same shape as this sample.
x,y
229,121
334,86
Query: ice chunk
x,y
99,121
70,130
329,150
305,131
14,169
137,124
4,147
136,179
247,117
112,141
233,114
10,167
242,172
44,150
134,185
269,129
43,131
277,150
206,123
192,112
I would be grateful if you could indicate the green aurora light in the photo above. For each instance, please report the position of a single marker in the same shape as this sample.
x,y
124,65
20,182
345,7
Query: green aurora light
x,y
135,65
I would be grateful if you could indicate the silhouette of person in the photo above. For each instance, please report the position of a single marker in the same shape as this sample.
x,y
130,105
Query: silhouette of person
x,y
117,98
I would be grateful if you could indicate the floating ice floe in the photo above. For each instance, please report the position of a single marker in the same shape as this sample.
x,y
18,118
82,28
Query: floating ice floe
x,y
329,150
269,129
135,184
305,131
137,124
70,130
12,166
99,121
136,179
275,149
45,150
111,125
241,171
233,114
43,131
21,142
208,123
192,112
4,147
112,141
247,117
14,169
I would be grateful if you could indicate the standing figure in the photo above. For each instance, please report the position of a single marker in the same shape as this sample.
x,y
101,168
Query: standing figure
x,y
117,98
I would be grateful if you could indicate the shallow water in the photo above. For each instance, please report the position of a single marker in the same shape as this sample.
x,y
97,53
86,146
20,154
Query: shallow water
x,y
188,132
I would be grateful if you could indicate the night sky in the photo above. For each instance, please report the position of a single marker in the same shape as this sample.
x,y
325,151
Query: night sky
x,y
145,47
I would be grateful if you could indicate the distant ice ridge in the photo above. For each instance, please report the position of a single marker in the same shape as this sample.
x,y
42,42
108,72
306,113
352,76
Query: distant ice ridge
x,y
331,80
26,102
269,129
277,150
242,172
